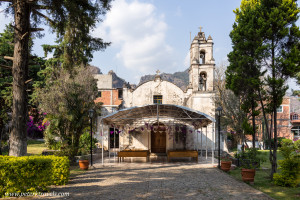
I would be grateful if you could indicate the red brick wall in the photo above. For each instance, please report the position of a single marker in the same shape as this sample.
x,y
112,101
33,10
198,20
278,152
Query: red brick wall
x,y
106,97
283,121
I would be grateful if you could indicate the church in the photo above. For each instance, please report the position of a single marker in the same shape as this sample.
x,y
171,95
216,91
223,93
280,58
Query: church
x,y
157,115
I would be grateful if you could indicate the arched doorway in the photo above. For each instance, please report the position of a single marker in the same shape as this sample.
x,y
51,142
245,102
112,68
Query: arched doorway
x,y
158,138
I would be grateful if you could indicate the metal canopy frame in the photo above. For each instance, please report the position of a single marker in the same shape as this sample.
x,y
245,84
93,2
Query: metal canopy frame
x,y
159,111
155,112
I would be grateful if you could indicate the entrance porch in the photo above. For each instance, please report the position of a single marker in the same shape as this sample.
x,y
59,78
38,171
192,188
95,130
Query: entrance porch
x,y
172,130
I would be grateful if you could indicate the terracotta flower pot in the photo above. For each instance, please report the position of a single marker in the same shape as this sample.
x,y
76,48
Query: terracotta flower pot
x,y
84,164
225,165
248,175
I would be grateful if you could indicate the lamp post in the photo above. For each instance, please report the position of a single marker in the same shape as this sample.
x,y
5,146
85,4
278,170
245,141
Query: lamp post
x,y
91,114
219,110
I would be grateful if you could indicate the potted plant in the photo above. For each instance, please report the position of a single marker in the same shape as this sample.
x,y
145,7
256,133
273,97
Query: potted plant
x,y
248,171
84,149
250,160
225,163
83,162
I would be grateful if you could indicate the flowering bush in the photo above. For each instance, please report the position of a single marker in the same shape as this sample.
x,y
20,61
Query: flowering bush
x,y
36,125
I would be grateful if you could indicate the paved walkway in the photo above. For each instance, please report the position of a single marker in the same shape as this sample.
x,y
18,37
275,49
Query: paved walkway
x,y
157,180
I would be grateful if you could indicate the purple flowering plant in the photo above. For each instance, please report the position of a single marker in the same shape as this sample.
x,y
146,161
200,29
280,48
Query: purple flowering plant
x,y
36,124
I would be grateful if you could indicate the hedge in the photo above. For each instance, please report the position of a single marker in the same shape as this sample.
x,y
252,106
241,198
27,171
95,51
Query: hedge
x,y
32,173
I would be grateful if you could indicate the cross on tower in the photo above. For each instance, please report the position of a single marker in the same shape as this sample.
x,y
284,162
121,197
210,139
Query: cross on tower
x,y
200,29
157,72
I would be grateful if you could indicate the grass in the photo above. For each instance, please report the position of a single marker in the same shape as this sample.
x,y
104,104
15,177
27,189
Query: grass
x,y
263,182
75,170
35,147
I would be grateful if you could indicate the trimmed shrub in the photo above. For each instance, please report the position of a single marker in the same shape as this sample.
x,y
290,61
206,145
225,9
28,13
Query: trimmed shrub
x,y
32,173
60,170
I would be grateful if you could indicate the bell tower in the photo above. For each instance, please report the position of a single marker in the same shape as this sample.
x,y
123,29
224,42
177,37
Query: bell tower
x,y
202,63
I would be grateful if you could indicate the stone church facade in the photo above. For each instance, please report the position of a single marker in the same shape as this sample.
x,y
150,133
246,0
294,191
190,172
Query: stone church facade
x,y
198,96
200,92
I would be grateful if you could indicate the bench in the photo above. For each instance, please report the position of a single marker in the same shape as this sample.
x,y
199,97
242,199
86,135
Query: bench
x,y
182,153
133,153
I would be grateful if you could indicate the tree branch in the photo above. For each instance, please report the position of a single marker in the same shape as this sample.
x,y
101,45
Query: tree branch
x,y
35,29
15,28
42,15
31,1
28,81
42,7
24,35
6,67
9,58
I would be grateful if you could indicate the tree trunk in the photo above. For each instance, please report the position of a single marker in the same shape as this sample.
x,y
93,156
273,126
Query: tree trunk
x,y
253,123
270,141
18,140
275,99
1,129
274,161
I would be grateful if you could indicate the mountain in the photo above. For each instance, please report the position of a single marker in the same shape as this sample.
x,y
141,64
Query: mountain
x,y
117,82
181,79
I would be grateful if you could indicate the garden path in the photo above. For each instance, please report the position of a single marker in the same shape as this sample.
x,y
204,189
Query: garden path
x,y
156,180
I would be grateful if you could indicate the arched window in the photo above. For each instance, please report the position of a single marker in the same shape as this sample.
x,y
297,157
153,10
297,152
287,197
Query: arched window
x,y
202,81
202,57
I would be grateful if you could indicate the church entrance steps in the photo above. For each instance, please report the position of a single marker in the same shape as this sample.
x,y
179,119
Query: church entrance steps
x,y
155,155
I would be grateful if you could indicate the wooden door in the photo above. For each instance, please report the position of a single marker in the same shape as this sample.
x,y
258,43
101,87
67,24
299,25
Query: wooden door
x,y
158,141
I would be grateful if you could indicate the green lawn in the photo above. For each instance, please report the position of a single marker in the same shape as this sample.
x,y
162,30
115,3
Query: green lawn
x,y
35,147
263,183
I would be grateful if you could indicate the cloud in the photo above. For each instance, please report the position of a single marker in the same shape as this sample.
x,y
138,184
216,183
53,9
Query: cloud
x,y
138,32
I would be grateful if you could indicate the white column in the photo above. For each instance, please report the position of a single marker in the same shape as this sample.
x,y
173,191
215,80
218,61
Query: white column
x,y
102,134
206,141
201,144
213,144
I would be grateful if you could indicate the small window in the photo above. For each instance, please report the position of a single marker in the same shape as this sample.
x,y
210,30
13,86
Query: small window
x,y
280,109
296,130
120,93
99,94
295,117
157,99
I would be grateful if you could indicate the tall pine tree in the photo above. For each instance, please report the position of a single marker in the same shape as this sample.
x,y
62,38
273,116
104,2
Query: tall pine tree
x,y
274,48
28,14
281,53
243,73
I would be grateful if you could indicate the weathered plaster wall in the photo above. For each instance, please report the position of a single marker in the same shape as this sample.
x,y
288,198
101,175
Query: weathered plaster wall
x,y
143,95
203,102
104,81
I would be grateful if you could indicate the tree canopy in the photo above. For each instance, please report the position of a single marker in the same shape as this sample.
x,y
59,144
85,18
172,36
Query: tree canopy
x,y
265,53
72,21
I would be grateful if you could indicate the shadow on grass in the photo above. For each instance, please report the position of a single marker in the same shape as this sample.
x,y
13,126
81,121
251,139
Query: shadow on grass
x,y
263,183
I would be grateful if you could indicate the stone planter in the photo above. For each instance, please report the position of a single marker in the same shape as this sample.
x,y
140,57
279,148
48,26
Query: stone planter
x,y
84,164
225,165
248,175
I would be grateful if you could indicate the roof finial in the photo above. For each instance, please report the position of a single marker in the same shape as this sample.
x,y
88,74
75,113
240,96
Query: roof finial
x,y
200,28
157,72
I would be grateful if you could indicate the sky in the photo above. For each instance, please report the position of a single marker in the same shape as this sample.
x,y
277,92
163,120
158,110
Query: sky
x,y
151,35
